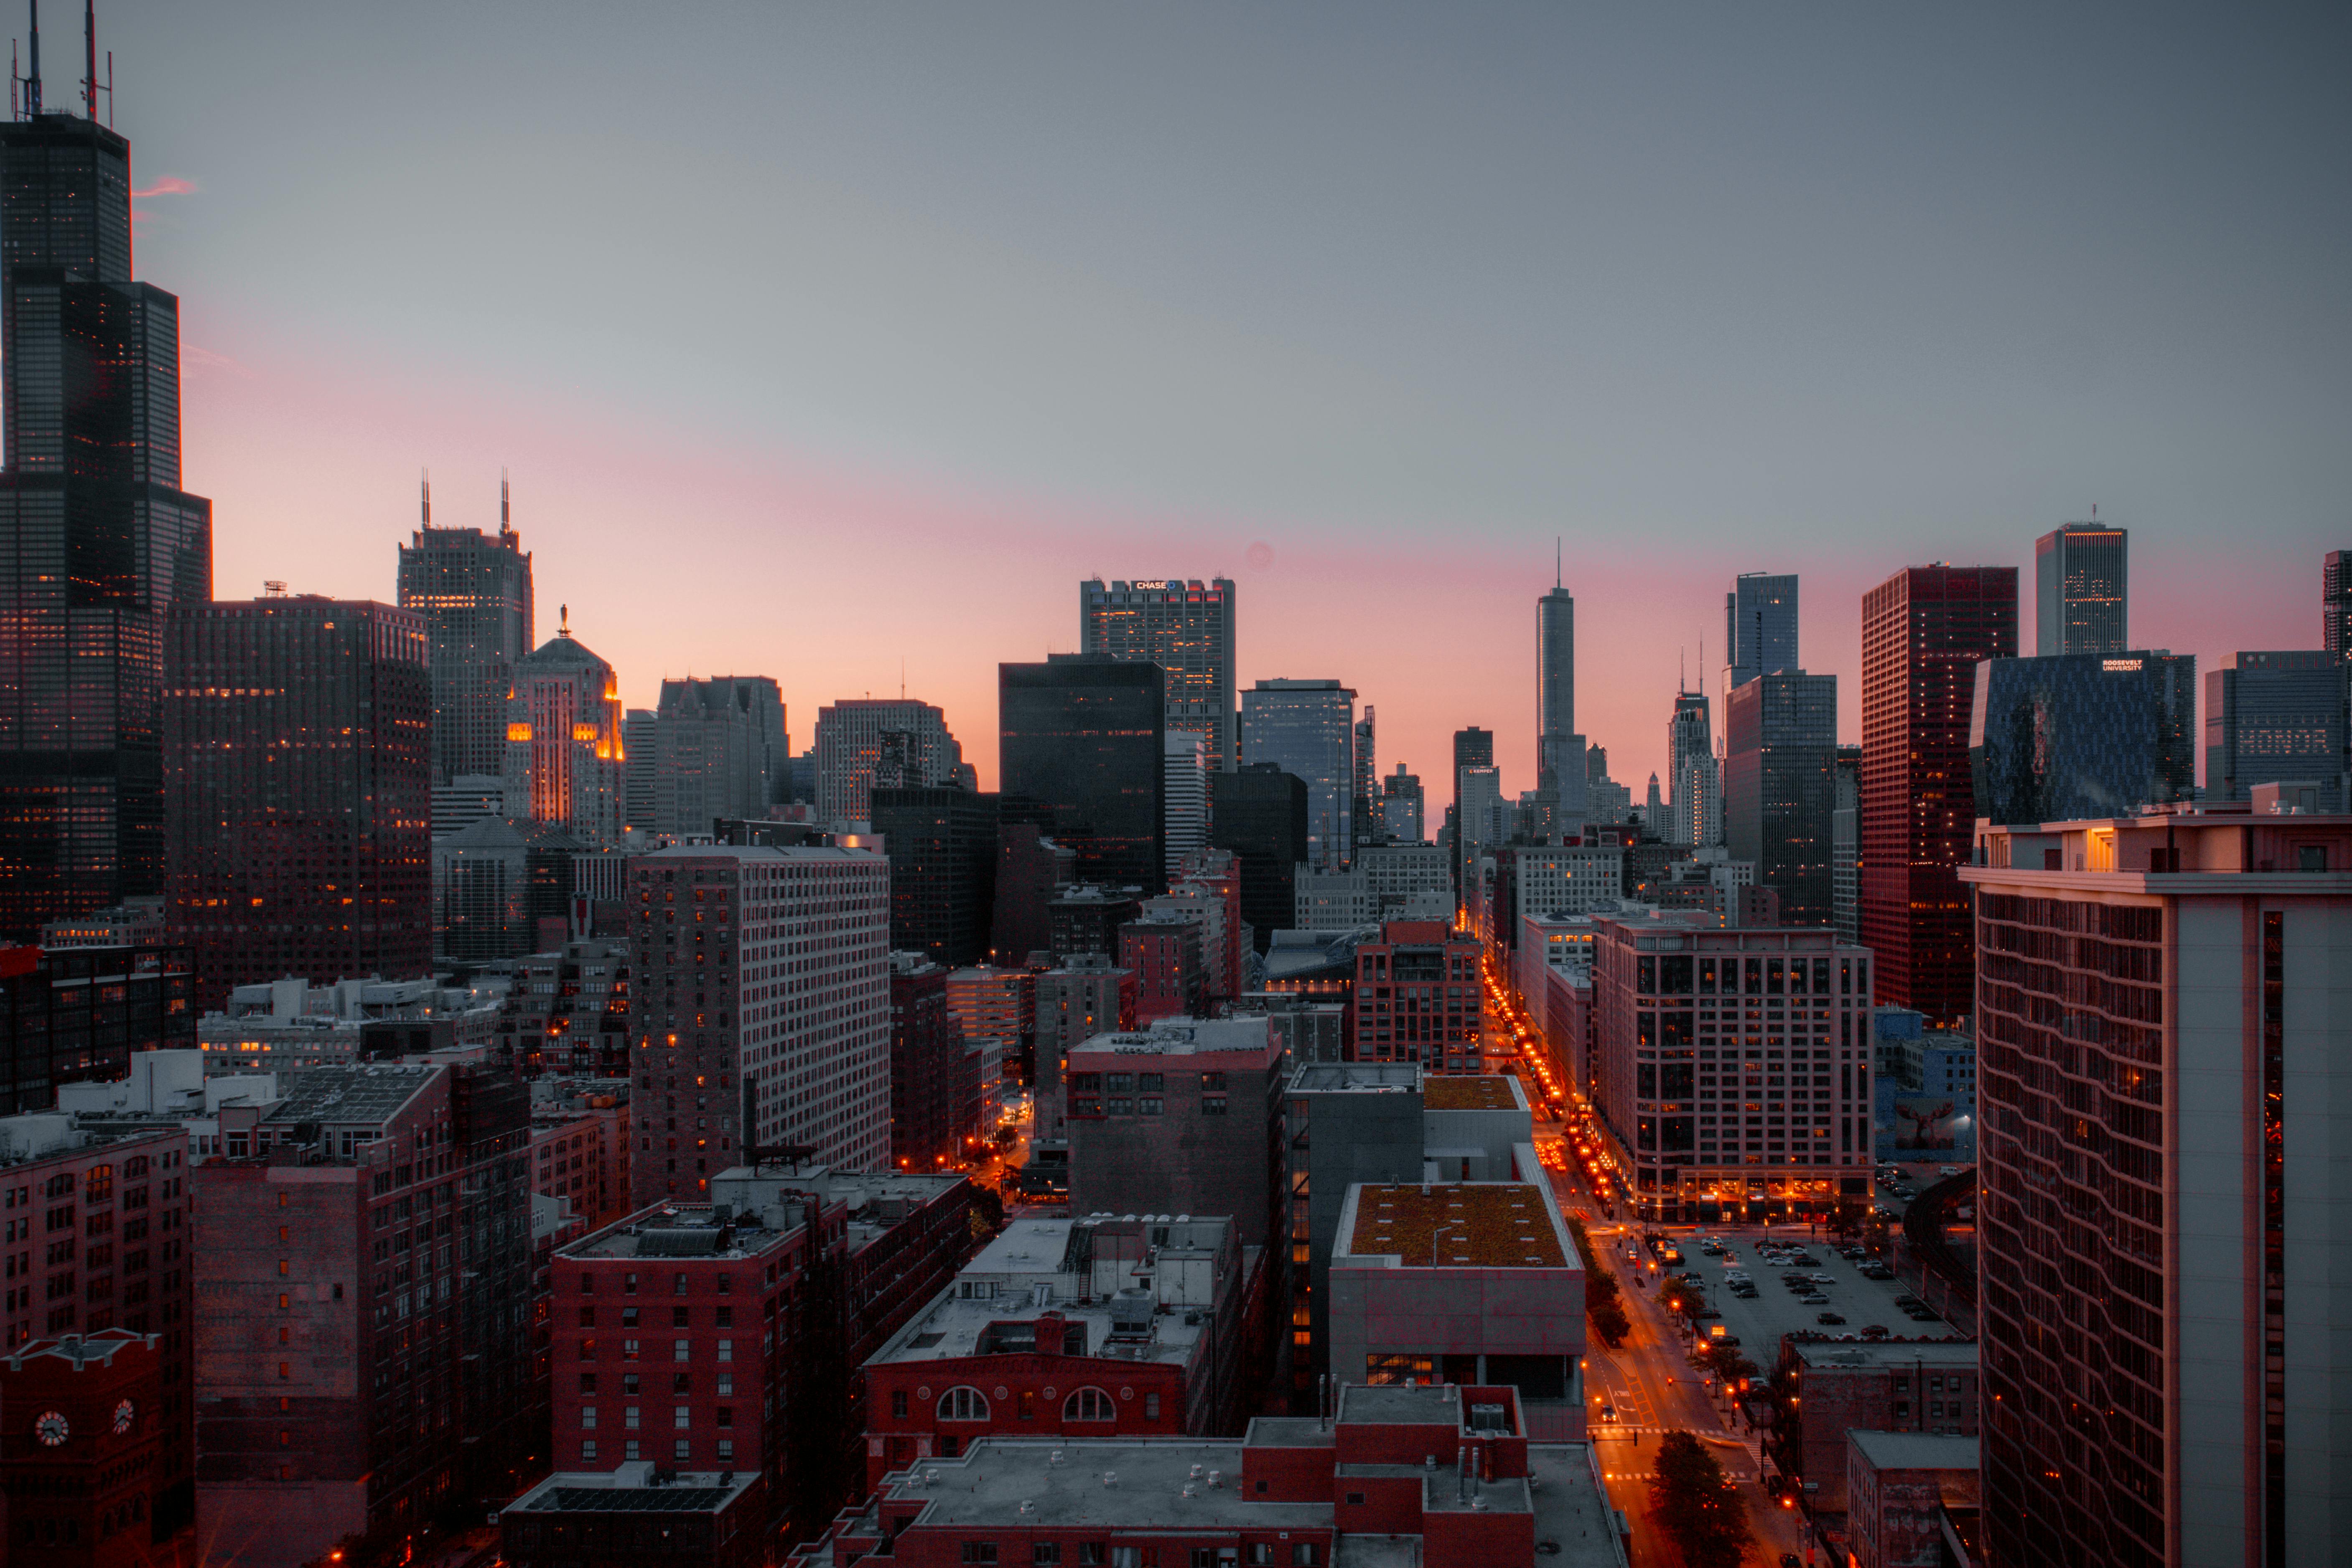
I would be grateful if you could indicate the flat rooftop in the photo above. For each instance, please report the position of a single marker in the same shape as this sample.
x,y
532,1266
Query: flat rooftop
x,y
1887,1353
1064,1486
1914,1450
1400,1403
630,1488
1482,1225
685,1231
955,1326
1571,1508
1356,1077
1471,1092
1182,1036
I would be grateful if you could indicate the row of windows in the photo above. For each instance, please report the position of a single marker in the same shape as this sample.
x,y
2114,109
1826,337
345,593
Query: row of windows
x,y
967,1404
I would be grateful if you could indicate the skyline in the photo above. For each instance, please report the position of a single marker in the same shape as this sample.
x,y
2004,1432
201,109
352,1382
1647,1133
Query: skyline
x,y
976,358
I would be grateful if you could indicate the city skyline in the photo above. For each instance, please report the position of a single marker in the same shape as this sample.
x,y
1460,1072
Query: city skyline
x,y
982,520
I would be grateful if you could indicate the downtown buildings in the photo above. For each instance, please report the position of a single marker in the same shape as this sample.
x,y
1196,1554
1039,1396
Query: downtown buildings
x,y
1187,630
298,790
715,750
101,542
1308,729
1924,631
1078,743
862,743
1780,787
2066,736
1560,767
2158,1088
2274,717
2081,585
564,752
473,592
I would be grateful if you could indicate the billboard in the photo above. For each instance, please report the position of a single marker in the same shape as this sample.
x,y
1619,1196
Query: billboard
x,y
1923,1126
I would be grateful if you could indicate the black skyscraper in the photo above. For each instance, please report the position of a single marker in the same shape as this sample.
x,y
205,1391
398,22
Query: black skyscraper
x,y
942,844
1080,736
1260,813
1473,748
97,539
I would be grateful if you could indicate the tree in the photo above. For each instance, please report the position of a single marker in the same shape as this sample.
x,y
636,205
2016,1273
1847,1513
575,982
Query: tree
x,y
1726,1364
1694,1503
1851,1214
1602,1305
1610,1323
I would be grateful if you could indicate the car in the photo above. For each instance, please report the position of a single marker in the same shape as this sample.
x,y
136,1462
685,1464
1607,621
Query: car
x,y
1813,1300
1704,1312
1804,1260
1608,1413
1824,1278
1790,1559
1828,1318
1876,1331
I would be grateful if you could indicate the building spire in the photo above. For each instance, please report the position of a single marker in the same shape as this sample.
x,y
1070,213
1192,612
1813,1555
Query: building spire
x,y
90,51
425,495
506,512
32,74
1558,580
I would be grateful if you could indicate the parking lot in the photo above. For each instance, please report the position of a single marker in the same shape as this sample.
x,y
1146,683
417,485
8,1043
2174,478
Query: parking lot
x,y
1760,1320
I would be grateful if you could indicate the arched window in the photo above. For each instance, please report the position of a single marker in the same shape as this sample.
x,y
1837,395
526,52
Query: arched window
x,y
1090,1405
964,1404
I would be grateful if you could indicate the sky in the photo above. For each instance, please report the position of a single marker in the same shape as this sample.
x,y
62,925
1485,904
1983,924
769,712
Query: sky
x,y
835,343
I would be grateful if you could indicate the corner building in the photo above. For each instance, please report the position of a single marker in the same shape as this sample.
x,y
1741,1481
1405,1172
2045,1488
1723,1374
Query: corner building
x,y
2162,1025
763,1000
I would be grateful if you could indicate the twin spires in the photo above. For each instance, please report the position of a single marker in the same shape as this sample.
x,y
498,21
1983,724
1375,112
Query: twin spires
x,y
506,502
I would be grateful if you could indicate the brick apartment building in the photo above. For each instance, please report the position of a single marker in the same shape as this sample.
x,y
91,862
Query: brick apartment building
x,y
1164,952
1086,1328
579,1142
1417,997
83,1455
1823,1389
1088,996
1438,1476
1184,1117
568,1013
935,1094
363,1281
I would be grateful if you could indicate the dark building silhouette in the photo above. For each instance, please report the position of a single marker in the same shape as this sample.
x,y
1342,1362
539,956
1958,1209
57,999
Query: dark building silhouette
x,y
499,885
97,541
76,1014
2335,603
1259,813
935,1098
299,792
2080,735
1081,736
1924,631
1031,870
1780,787
1087,919
942,845
474,591
1473,748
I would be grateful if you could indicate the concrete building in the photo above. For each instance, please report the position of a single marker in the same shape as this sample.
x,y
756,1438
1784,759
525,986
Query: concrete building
x,y
1308,729
719,751
935,1075
1087,917
1565,879
2273,717
641,1515
504,887
134,922
474,592
996,1009
1163,952
86,1481
942,842
296,1295
2160,1041
1186,627
1481,820
1185,761
569,1012
1259,814
1404,818
2067,736
580,1138
1901,1489
864,741
1031,871
1212,901
1439,1478
763,987
1417,997
1693,783
1464,1283
1733,1069
1086,997
2335,603
1184,1117
564,754
81,1014
2082,590
1092,1327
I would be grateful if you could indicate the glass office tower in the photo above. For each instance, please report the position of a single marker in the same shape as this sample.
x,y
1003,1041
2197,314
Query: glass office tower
x,y
474,591
1184,627
2273,716
97,541
2079,582
1308,729
2080,735
1759,627
1780,787
1078,739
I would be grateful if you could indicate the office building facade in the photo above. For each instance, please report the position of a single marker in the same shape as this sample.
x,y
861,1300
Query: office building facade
x,y
1404,817
942,845
1845,845
2081,585
1185,764
102,542
1079,739
78,1015
1694,781
763,1000
935,1100
1561,768
2335,603
298,790
564,751
1760,629
1780,787
720,750
1308,729
2159,1052
2074,735
1187,630
1924,631
1417,997
2275,716
862,743
1259,813
472,590
1473,748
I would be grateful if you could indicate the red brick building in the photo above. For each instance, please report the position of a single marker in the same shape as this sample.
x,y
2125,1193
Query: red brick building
x,y
1164,952
1439,1476
1923,632
94,1231
568,1013
82,1454
1089,1328
935,1089
1416,998
579,1146
1823,1389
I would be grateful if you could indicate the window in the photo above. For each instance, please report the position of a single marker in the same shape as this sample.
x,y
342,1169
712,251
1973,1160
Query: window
x,y
685,1349
1046,1553
1151,1406
1213,1105
628,1350
899,1404
980,1552
587,1382
726,1350
1303,1554
1090,1405
588,1448
587,1418
963,1403
684,1449
1092,1555
726,1449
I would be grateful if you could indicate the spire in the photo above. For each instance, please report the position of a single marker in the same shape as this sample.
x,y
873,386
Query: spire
x,y
425,495
89,49
1557,579
506,509
32,74
564,625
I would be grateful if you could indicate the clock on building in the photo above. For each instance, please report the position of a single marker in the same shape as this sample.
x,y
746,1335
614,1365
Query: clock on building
x,y
123,1416
50,1428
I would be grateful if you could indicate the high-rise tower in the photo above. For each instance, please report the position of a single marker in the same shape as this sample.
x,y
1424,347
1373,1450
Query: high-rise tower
x,y
2080,579
474,592
1187,630
1308,729
1759,627
97,541
1559,750
2335,603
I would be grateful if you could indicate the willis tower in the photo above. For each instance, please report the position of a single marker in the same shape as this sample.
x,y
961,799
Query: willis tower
x,y
97,541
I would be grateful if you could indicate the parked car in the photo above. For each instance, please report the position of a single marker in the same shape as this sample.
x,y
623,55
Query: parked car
x,y
1828,1318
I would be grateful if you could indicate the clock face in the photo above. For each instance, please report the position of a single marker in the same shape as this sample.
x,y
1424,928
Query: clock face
x,y
123,1415
50,1428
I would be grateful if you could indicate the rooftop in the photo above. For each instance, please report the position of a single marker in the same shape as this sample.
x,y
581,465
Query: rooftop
x,y
371,1092
80,1348
1914,1450
674,1230
1484,1225
1110,1485
1400,1404
1184,1036
1472,1092
1885,1354
1356,1077
636,1487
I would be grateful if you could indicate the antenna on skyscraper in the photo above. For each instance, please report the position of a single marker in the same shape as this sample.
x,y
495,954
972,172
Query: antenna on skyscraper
x,y
425,495
1556,561
33,74
89,57
505,515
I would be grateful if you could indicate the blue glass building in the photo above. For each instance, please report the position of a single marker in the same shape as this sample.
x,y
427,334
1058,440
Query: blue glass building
x,y
2075,735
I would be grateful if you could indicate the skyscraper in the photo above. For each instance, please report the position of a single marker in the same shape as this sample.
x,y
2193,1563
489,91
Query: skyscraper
x,y
865,741
1760,628
1187,630
1364,799
474,592
1259,813
1779,786
1692,780
719,751
1078,738
1845,846
2080,582
2074,735
97,541
1402,811
1559,750
2157,1209
297,789
1924,630
1473,748
2335,603
2273,716
1185,761
565,760
941,841
1308,729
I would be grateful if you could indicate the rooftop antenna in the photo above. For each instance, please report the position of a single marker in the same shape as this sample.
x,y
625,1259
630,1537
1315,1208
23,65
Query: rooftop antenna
x,y
89,57
505,513
425,495
902,678
1556,560
33,74
13,80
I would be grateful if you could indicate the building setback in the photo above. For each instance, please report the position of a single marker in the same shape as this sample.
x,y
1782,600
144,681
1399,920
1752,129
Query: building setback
x,y
1187,630
1924,631
296,736
474,592
763,992
2158,1059
1163,953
